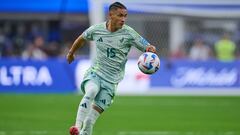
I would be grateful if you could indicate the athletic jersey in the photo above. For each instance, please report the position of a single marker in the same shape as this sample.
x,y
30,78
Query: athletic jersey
x,y
112,49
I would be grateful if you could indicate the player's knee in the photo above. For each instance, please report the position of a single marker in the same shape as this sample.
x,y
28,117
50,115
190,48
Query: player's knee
x,y
89,122
91,89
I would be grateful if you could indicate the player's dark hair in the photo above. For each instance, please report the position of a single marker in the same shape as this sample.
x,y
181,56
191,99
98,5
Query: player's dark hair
x,y
116,5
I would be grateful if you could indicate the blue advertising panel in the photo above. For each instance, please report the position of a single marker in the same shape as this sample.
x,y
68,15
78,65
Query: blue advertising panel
x,y
198,74
36,76
44,6
57,76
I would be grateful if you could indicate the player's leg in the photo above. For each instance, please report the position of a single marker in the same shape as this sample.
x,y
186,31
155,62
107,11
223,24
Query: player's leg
x,y
89,122
91,89
102,101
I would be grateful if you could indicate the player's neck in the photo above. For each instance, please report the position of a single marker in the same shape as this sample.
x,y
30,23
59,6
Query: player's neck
x,y
110,26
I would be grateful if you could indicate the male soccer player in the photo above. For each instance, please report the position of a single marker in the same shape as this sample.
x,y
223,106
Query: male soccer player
x,y
113,41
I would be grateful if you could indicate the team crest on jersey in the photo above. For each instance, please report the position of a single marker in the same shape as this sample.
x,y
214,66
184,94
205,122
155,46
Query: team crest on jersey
x,y
121,40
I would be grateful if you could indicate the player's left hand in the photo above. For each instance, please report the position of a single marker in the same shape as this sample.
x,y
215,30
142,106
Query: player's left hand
x,y
151,48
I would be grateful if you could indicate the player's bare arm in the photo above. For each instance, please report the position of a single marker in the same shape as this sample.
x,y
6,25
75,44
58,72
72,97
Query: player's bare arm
x,y
151,48
79,42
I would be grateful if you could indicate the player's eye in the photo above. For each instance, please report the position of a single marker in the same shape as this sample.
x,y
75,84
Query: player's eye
x,y
120,15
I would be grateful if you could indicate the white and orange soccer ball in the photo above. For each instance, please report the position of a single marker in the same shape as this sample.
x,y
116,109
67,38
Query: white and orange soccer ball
x,y
148,63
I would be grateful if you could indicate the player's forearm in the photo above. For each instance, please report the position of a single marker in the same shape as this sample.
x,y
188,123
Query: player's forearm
x,y
77,44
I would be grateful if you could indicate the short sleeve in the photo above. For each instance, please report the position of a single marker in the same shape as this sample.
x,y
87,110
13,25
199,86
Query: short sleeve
x,y
88,33
138,41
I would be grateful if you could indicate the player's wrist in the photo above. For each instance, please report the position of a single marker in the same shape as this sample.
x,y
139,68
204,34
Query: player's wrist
x,y
150,48
70,53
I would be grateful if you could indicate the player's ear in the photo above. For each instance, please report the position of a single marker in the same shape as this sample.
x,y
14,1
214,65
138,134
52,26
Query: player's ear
x,y
109,15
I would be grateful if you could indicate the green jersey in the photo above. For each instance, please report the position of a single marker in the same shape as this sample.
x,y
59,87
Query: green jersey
x,y
112,49
225,50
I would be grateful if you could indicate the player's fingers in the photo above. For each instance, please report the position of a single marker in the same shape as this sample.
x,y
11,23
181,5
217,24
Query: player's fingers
x,y
151,48
71,60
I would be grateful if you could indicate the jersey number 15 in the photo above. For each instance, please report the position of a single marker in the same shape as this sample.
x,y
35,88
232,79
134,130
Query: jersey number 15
x,y
111,52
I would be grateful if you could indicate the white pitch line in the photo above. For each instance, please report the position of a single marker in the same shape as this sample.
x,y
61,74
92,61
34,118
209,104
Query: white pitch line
x,y
34,132
175,133
147,133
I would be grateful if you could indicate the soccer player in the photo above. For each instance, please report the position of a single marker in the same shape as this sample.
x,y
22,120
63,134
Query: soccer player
x,y
113,41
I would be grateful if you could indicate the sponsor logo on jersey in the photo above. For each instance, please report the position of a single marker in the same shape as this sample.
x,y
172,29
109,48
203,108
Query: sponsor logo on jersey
x,y
100,39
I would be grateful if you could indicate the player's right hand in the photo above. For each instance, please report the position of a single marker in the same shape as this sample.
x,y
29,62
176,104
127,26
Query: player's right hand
x,y
70,57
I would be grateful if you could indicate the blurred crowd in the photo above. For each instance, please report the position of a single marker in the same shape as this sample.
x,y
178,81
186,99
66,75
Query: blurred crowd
x,y
32,42
223,49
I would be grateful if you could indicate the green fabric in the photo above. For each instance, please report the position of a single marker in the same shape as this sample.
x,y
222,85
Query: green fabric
x,y
225,50
105,96
112,49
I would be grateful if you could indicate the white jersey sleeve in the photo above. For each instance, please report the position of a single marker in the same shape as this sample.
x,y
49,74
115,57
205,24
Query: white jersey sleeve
x,y
88,33
137,40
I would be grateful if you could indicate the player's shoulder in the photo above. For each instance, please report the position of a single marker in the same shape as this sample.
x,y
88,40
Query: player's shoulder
x,y
128,28
97,26
100,25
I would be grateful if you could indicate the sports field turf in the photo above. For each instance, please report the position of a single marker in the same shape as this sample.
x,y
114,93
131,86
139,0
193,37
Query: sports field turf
x,y
158,115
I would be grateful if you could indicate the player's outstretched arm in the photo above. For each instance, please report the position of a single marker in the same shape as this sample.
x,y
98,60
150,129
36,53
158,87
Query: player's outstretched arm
x,y
151,48
77,44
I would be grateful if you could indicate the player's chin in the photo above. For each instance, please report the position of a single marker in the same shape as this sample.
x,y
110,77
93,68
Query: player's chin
x,y
120,26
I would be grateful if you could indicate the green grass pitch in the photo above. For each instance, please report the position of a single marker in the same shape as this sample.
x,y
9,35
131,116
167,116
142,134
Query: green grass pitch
x,y
129,115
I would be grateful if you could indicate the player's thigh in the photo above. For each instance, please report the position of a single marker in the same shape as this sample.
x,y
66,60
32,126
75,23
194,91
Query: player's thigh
x,y
91,76
106,95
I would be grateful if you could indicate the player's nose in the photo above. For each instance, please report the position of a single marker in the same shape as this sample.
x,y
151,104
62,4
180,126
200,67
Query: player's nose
x,y
122,22
123,19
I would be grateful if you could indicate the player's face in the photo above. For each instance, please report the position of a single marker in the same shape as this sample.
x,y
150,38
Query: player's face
x,y
118,17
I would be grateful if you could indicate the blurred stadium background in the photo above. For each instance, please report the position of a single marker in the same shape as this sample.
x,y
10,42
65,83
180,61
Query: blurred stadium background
x,y
195,92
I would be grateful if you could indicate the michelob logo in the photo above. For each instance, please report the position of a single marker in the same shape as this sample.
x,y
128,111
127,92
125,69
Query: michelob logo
x,y
25,75
204,77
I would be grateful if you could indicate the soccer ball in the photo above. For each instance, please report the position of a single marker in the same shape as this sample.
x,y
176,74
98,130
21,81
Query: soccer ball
x,y
148,63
